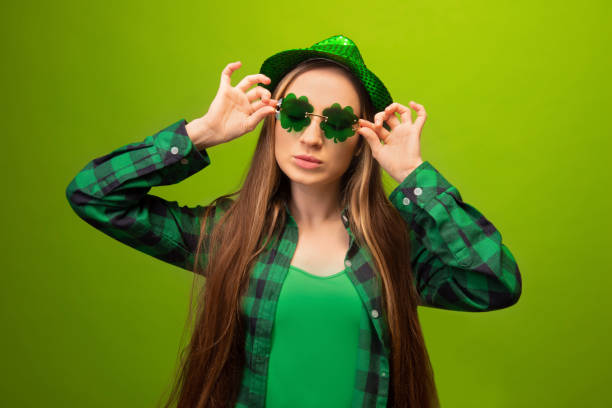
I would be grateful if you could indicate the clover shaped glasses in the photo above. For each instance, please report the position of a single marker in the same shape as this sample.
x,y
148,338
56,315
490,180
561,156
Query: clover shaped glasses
x,y
338,123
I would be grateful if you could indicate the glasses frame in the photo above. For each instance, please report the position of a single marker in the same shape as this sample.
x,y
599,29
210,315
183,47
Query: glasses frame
x,y
355,126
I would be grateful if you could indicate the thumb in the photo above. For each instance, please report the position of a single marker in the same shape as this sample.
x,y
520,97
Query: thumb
x,y
258,115
372,139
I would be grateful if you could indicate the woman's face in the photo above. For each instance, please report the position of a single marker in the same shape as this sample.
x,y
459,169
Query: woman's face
x,y
323,87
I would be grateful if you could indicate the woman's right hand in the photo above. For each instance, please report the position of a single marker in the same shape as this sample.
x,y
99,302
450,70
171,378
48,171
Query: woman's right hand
x,y
234,111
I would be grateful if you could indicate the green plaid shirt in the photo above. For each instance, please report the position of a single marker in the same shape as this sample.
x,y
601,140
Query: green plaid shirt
x,y
458,259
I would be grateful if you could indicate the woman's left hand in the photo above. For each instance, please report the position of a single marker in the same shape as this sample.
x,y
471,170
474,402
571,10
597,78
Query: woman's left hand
x,y
401,153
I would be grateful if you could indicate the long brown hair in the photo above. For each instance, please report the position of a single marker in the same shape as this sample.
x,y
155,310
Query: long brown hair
x,y
211,365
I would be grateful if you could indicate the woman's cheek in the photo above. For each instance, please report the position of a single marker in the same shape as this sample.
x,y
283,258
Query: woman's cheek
x,y
282,144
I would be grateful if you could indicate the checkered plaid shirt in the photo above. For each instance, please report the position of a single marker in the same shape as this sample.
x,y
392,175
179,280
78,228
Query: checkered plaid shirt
x,y
458,259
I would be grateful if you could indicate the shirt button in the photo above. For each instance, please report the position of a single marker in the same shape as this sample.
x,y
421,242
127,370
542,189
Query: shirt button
x,y
174,150
384,373
347,262
374,313
418,191
184,161
406,201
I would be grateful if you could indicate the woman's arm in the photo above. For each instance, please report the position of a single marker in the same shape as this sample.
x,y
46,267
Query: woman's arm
x,y
110,193
458,259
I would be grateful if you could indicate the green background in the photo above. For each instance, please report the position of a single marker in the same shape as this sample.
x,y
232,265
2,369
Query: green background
x,y
518,98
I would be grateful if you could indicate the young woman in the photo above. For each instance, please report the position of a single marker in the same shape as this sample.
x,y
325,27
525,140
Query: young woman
x,y
312,274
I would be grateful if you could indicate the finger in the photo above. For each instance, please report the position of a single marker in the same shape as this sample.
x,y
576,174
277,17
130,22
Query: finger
x,y
404,111
365,122
392,120
258,115
259,103
421,114
258,92
381,132
250,80
226,75
379,118
372,138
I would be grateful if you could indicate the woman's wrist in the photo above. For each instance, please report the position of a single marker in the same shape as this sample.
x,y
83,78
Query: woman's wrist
x,y
401,176
200,133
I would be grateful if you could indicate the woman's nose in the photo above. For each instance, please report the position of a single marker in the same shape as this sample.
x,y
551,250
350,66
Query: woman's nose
x,y
313,133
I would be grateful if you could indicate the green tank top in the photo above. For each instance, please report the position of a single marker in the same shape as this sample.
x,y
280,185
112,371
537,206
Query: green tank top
x,y
313,357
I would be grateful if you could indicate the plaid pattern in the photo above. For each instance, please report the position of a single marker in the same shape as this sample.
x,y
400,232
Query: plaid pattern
x,y
458,259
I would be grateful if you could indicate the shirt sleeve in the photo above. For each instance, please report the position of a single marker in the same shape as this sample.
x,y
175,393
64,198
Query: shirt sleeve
x,y
458,259
111,194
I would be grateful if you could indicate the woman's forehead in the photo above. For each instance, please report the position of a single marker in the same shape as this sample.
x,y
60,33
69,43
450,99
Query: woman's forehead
x,y
323,92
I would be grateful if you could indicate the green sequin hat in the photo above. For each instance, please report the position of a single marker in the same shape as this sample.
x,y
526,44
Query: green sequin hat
x,y
338,48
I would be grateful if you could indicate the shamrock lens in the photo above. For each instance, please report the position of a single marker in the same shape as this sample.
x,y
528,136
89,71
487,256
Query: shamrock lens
x,y
293,112
338,118
340,123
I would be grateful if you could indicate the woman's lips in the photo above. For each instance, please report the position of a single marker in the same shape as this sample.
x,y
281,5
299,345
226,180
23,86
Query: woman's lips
x,y
305,163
